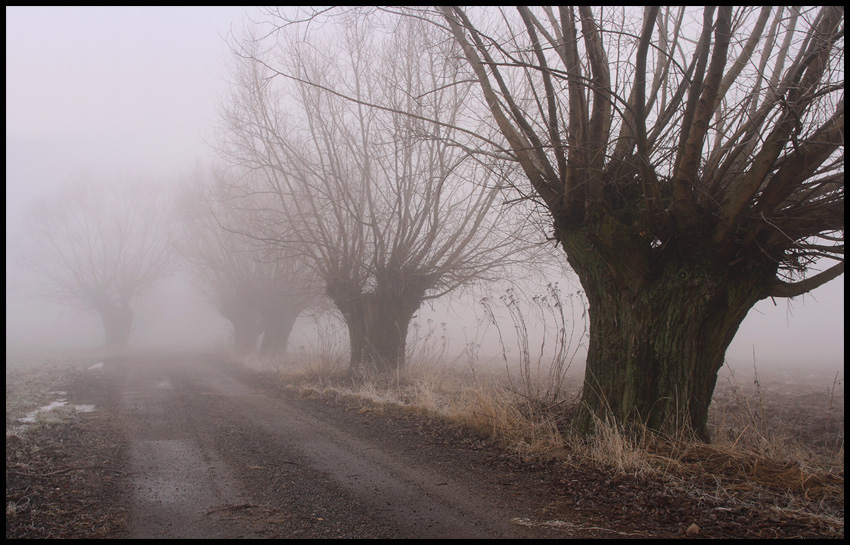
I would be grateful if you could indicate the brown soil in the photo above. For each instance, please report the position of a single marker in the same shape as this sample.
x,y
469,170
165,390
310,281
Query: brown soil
x,y
188,446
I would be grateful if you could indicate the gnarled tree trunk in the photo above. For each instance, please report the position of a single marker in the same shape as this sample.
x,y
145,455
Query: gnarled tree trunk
x,y
660,324
246,325
377,329
277,327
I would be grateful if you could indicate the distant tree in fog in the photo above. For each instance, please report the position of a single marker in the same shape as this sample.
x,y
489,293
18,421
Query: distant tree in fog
x,y
97,246
260,290
390,210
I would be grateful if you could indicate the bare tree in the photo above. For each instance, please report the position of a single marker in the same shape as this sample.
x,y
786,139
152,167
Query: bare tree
x,y
98,246
692,162
261,293
379,202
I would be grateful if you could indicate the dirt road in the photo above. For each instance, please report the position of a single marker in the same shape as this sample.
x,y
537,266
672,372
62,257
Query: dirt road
x,y
213,452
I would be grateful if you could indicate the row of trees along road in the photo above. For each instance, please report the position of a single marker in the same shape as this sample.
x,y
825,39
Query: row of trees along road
x,y
691,161
98,246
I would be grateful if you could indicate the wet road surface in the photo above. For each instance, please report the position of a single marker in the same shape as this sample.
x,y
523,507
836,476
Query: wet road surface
x,y
213,453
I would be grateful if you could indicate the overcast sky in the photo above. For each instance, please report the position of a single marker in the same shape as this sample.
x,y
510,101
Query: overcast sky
x,y
135,89
110,89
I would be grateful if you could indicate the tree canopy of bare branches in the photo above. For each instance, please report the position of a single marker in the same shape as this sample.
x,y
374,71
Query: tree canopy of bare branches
x,y
389,208
97,246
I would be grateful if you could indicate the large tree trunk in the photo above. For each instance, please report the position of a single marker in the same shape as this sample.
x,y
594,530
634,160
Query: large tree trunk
x,y
117,324
277,328
660,322
246,325
377,329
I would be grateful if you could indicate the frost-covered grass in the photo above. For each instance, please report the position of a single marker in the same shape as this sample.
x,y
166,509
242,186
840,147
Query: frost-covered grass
x,y
35,380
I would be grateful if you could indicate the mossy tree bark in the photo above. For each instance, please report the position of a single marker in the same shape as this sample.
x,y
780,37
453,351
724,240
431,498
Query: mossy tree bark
x,y
661,319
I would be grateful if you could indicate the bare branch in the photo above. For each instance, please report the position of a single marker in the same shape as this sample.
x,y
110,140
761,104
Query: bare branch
x,y
788,289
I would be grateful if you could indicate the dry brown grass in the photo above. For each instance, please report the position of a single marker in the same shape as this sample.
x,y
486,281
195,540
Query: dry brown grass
x,y
488,402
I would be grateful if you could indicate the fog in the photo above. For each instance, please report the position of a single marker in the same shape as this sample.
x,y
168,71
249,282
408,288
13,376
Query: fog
x,y
111,92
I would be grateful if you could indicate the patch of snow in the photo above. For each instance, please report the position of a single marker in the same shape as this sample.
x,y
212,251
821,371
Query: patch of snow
x,y
30,418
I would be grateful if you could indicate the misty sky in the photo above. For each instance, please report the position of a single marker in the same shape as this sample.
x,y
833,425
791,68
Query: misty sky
x,y
134,90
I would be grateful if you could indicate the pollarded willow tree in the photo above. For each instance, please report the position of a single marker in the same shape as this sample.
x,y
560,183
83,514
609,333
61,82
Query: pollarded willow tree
x,y
388,207
692,162
261,293
98,246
